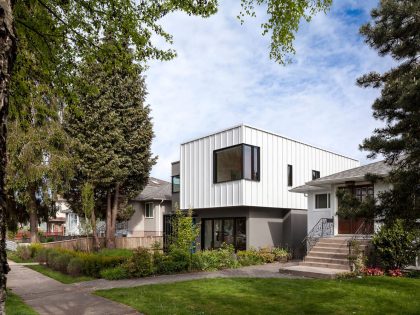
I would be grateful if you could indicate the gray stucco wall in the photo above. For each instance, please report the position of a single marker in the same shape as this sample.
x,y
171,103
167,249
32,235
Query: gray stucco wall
x,y
266,227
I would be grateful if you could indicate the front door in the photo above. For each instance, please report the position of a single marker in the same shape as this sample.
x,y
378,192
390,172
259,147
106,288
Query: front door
x,y
351,226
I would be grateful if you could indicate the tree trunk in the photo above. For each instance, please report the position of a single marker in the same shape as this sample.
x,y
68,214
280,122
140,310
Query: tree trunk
x,y
109,239
7,58
114,212
96,245
33,216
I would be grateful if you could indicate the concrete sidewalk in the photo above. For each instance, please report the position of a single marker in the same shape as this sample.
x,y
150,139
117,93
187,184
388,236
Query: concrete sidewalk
x,y
50,297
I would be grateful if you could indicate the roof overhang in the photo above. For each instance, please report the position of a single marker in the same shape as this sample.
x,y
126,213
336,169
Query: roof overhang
x,y
306,189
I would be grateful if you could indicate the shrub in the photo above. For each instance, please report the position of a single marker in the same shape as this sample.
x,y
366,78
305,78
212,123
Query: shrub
x,y
61,262
24,252
217,259
75,267
41,255
373,271
51,255
249,257
280,254
140,264
115,273
396,246
266,255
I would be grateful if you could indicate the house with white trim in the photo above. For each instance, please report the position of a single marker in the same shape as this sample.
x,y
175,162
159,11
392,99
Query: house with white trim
x,y
238,181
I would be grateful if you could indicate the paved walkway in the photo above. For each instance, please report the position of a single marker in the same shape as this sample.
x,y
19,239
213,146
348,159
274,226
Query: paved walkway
x,y
50,297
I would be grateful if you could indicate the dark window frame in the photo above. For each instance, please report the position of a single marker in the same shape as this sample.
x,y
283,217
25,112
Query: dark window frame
x,y
172,183
316,174
242,145
289,175
222,228
328,201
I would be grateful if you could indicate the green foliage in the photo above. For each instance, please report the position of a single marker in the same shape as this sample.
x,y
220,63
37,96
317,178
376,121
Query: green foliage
x,y
281,254
221,258
351,207
24,252
249,257
396,245
284,17
115,273
75,267
185,232
394,32
267,255
140,264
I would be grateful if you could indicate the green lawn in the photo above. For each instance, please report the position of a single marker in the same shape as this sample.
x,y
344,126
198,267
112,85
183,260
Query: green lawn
x,y
15,306
63,278
374,295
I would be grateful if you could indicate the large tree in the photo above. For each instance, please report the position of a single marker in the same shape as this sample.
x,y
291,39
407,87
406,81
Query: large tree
x,y
395,32
79,23
112,129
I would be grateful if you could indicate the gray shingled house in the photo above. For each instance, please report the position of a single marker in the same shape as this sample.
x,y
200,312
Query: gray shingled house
x,y
150,207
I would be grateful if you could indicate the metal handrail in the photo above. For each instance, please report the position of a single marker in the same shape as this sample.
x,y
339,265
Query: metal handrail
x,y
360,234
323,228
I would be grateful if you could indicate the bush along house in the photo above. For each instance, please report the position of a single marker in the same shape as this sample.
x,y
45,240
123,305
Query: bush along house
x,y
238,181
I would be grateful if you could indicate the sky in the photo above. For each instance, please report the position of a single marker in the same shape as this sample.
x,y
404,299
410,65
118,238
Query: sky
x,y
223,76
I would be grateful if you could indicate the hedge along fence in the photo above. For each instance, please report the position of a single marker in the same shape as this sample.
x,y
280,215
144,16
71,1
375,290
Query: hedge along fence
x,y
86,244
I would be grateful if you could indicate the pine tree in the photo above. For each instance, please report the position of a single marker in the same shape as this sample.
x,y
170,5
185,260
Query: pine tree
x,y
395,31
112,128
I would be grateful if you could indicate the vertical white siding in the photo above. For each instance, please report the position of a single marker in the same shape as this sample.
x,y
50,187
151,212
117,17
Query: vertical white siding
x,y
276,152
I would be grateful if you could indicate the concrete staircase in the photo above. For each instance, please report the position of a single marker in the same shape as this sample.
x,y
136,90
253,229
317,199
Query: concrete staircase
x,y
331,252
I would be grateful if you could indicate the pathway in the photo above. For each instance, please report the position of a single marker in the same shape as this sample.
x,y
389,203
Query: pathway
x,y
50,297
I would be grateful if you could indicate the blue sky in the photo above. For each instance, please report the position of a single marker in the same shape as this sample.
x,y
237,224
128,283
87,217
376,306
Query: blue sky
x,y
223,76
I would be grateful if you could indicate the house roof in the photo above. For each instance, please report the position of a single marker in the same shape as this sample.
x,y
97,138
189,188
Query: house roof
x,y
380,168
156,189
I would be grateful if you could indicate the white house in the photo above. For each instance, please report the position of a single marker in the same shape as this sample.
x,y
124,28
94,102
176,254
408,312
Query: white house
x,y
237,181
322,200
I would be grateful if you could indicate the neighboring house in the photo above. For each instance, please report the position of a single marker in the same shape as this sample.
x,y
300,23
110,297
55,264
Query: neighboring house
x,y
237,181
150,206
322,199
72,220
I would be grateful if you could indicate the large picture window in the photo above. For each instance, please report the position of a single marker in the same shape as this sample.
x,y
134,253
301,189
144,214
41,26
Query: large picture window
x,y
237,162
230,231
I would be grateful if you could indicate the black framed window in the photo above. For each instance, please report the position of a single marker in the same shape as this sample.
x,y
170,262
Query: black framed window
x,y
218,231
363,192
175,184
322,201
237,162
315,174
289,175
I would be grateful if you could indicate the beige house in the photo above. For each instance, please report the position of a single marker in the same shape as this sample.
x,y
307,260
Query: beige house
x,y
150,207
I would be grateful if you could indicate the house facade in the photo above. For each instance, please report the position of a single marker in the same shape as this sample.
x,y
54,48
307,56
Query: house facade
x,y
150,206
323,202
237,181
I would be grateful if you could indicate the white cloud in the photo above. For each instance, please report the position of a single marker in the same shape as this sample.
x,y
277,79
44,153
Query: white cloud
x,y
223,76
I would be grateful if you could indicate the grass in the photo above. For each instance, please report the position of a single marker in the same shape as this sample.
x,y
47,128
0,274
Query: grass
x,y
370,295
14,257
61,277
15,306
116,252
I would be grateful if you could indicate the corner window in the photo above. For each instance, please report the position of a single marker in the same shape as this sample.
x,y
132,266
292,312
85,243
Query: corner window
x,y
289,175
237,162
322,201
148,210
315,174
175,184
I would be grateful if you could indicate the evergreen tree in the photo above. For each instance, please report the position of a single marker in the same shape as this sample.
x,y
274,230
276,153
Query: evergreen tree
x,y
395,31
112,128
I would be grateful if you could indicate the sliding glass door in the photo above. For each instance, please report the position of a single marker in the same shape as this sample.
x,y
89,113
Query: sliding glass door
x,y
231,231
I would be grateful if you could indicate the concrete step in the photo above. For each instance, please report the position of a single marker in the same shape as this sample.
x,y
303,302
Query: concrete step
x,y
331,240
337,250
326,265
327,260
328,244
314,253
311,272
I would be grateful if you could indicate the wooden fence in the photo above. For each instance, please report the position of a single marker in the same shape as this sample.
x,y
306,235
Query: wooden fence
x,y
86,244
